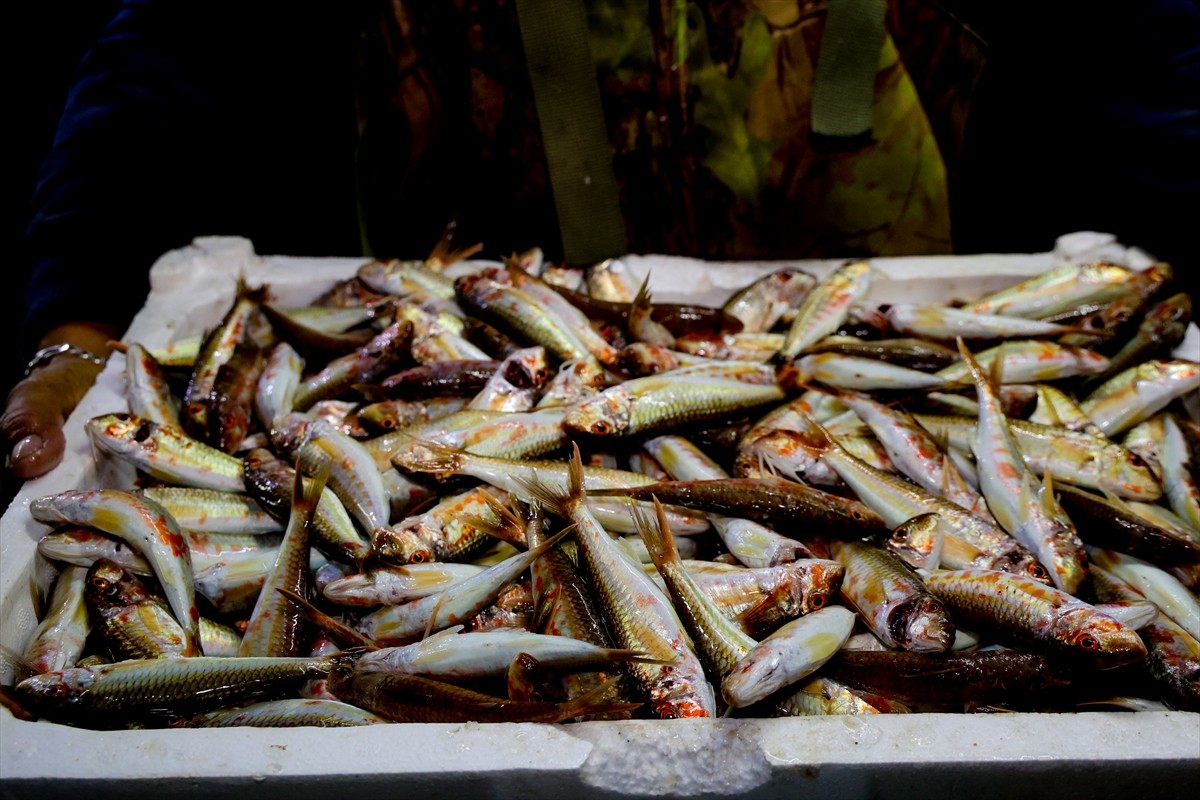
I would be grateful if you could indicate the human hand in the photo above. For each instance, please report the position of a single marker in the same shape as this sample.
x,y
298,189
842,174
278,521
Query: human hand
x,y
37,407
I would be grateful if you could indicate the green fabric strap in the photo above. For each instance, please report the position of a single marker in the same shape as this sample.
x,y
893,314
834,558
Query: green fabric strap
x,y
559,61
844,83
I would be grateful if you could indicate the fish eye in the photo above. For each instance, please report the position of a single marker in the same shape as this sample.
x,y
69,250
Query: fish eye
x,y
1136,460
387,423
1038,571
817,601
419,557
858,515
123,417
600,427
142,434
1088,642
227,422
932,607
899,534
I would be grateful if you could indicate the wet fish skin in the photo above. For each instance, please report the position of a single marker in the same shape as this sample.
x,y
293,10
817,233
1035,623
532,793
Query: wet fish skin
x,y
289,713
1028,512
892,600
1022,609
269,481
670,399
145,525
1174,660
788,655
950,682
133,623
764,302
211,511
275,391
414,698
130,688
146,387
826,307
1071,457
1108,524
1139,393
167,453
1162,329
276,627
58,640
766,499
639,615
378,358
218,347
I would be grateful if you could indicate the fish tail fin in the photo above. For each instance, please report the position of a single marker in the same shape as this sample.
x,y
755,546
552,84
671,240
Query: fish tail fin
x,y
444,254
811,436
337,630
558,499
17,662
595,701
500,524
641,301
1046,495
426,456
306,495
656,533
969,359
553,541
575,475
953,482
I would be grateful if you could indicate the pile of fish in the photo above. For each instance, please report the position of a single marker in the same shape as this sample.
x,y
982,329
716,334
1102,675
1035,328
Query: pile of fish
x,y
451,490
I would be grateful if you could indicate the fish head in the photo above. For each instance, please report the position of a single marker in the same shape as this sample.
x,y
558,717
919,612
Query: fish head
x,y
57,689
641,358
428,457
109,585
681,699
402,544
1022,562
120,433
1127,474
606,414
1088,361
918,542
922,625
1094,637
818,581
527,369
382,276
289,431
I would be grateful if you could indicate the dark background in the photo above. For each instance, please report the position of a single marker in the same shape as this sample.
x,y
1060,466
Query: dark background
x,y
1084,116
46,41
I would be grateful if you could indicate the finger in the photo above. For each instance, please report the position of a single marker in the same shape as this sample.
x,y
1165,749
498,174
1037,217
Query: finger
x,y
32,424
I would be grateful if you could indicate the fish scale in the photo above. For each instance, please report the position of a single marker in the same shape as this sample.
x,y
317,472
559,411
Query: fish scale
x,y
1028,512
1023,609
127,688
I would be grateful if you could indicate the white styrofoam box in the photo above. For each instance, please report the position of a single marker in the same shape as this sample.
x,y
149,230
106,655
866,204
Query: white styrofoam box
x,y
1095,754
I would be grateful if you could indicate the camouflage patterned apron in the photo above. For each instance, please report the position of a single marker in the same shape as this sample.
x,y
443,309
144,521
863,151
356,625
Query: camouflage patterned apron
x,y
707,106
